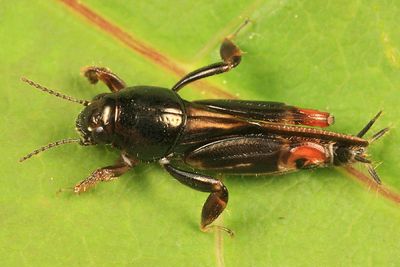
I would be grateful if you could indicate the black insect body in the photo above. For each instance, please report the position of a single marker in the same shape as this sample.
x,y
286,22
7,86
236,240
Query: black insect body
x,y
228,136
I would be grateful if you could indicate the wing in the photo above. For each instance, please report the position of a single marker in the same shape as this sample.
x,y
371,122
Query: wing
x,y
269,112
208,121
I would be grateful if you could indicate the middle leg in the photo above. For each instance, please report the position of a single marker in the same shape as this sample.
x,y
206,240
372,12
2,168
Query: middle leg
x,y
231,56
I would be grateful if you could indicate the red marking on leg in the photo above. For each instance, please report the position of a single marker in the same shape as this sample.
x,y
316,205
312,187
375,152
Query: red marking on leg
x,y
317,118
307,155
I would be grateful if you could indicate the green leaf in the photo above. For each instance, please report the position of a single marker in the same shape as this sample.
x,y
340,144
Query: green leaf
x,y
339,56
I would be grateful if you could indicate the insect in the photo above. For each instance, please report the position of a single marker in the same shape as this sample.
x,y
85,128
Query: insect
x,y
153,124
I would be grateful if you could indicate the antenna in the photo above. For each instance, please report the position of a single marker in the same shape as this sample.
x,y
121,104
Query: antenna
x,y
55,93
48,146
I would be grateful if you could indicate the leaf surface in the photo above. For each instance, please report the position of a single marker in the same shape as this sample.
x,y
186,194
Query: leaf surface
x,y
339,56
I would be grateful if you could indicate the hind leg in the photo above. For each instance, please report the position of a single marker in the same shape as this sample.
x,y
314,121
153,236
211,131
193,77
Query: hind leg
x,y
216,201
